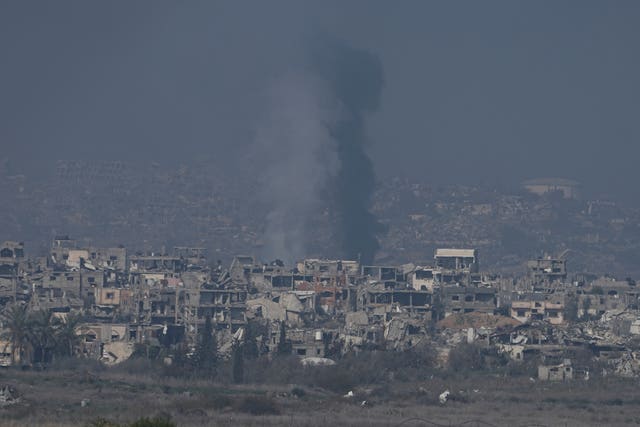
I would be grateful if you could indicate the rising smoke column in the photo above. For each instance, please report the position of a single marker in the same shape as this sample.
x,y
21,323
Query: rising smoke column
x,y
296,158
355,79
311,146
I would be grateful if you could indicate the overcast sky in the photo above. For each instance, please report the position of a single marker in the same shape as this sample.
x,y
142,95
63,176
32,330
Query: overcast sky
x,y
475,91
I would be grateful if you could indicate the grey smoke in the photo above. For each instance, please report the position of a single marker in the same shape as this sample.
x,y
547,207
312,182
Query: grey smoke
x,y
298,158
312,143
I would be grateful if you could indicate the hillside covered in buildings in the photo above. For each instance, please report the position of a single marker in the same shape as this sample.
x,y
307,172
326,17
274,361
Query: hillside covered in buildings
x,y
149,206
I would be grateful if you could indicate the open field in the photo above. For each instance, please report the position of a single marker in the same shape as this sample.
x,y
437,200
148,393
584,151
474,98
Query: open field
x,y
53,398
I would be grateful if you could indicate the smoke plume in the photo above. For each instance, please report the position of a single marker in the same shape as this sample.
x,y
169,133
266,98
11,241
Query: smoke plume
x,y
297,158
312,143
355,79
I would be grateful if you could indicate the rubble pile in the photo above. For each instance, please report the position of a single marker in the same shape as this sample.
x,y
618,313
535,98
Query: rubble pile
x,y
8,395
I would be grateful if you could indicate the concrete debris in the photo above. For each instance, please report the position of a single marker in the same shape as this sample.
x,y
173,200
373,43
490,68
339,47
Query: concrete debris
x,y
267,309
356,319
317,361
8,396
477,320
116,352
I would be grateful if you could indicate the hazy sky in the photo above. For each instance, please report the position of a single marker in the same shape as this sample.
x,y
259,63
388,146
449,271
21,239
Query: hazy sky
x,y
488,91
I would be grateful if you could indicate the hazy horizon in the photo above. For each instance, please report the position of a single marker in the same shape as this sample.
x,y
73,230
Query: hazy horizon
x,y
492,92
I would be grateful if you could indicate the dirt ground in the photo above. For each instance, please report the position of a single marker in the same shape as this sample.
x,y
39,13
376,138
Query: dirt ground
x,y
55,399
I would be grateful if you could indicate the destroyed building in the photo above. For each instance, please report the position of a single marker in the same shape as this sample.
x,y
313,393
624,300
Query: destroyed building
x,y
603,294
459,260
537,307
11,255
560,372
327,307
548,269
466,299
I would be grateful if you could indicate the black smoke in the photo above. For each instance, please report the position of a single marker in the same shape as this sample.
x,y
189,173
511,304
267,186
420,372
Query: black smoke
x,y
312,143
355,78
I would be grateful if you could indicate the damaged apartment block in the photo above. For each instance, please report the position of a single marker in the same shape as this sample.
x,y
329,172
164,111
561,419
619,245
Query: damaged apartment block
x,y
328,307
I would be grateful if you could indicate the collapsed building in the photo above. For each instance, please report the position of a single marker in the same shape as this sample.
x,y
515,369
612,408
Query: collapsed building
x,y
11,257
534,307
327,307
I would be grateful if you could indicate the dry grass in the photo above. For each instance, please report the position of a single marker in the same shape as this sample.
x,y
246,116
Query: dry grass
x,y
53,399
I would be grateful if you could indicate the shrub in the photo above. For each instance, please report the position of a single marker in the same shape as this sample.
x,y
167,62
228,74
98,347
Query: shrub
x,y
279,370
102,422
162,420
367,367
146,351
258,405
76,364
527,368
159,421
466,357
298,392
571,309
338,378
138,366
220,401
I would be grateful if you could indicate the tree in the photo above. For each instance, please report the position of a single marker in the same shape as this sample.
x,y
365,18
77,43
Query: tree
x,y
586,306
571,309
206,355
66,336
16,324
42,335
466,357
181,364
503,310
284,346
250,348
437,309
238,363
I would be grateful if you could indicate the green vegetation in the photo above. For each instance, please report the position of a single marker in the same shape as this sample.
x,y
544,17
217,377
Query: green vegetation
x,y
39,337
284,345
141,422
258,405
205,360
571,309
238,364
